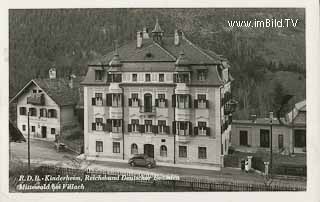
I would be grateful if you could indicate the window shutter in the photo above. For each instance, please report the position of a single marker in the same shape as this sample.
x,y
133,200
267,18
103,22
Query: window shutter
x,y
174,127
109,78
166,102
157,102
130,102
174,100
167,129
139,102
122,100
109,99
109,125
93,101
196,131
142,129
104,127
207,103
208,131
195,103
155,129
93,126
190,101
20,110
129,128
190,128
41,112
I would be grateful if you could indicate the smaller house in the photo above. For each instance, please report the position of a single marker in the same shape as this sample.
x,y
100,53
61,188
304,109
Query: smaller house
x,y
50,103
288,135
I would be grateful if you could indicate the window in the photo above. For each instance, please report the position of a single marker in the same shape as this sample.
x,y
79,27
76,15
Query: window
x,y
33,111
148,77
202,101
202,152
98,97
202,128
134,148
23,111
148,125
98,75
53,131
134,77
163,151
43,112
33,129
114,78
202,75
116,125
162,125
134,100
243,137
34,91
300,138
52,113
161,100
183,151
23,127
39,91
116,147
99,124
161,77
264,138
116,100
99,146
134,125
181,78
183,127
183,101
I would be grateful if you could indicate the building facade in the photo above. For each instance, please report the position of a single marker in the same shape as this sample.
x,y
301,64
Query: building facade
x,y
288,136
161,96
50,103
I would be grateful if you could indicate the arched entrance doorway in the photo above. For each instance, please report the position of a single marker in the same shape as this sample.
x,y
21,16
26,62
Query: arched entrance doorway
x,y
149,150
147,102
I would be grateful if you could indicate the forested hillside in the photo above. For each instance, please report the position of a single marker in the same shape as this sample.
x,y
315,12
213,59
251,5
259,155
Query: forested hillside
x,y
266,62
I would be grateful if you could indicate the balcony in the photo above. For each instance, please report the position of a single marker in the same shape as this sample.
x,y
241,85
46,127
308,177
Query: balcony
x,y
116,133
183,138
115,112
36,99
150,111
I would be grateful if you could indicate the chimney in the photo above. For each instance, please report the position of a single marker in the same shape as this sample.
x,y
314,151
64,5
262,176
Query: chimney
x,y
145,34
52,73
139,39
71,77
253,118
176,37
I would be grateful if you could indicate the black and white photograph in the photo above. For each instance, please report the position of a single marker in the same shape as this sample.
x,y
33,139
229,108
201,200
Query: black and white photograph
x,y
157,99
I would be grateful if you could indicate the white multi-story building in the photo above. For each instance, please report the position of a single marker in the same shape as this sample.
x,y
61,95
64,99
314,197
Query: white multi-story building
x,y
161,96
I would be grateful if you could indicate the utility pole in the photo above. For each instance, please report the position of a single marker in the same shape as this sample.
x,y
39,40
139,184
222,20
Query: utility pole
x,y
271,122
28,141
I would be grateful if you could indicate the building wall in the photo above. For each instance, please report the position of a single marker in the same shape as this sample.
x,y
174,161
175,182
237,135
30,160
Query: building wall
x,y
212,116
38,121
254,135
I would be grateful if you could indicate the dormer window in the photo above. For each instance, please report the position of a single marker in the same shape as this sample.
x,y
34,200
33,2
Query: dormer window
x,y
181,78
114,77
202,74
98,75
34,91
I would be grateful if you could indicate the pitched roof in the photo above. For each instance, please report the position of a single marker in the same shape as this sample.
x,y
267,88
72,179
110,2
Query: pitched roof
x,y
298,107
57,89
165,51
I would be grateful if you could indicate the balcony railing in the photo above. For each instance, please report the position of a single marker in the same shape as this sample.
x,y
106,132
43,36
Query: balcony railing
x,y
148,110
230,107
36,99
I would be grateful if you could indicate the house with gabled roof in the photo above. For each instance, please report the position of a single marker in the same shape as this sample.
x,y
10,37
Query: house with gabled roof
x,y
50,103
160,95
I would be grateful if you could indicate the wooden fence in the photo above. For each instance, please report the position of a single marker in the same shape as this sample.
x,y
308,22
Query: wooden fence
x,y
184,183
